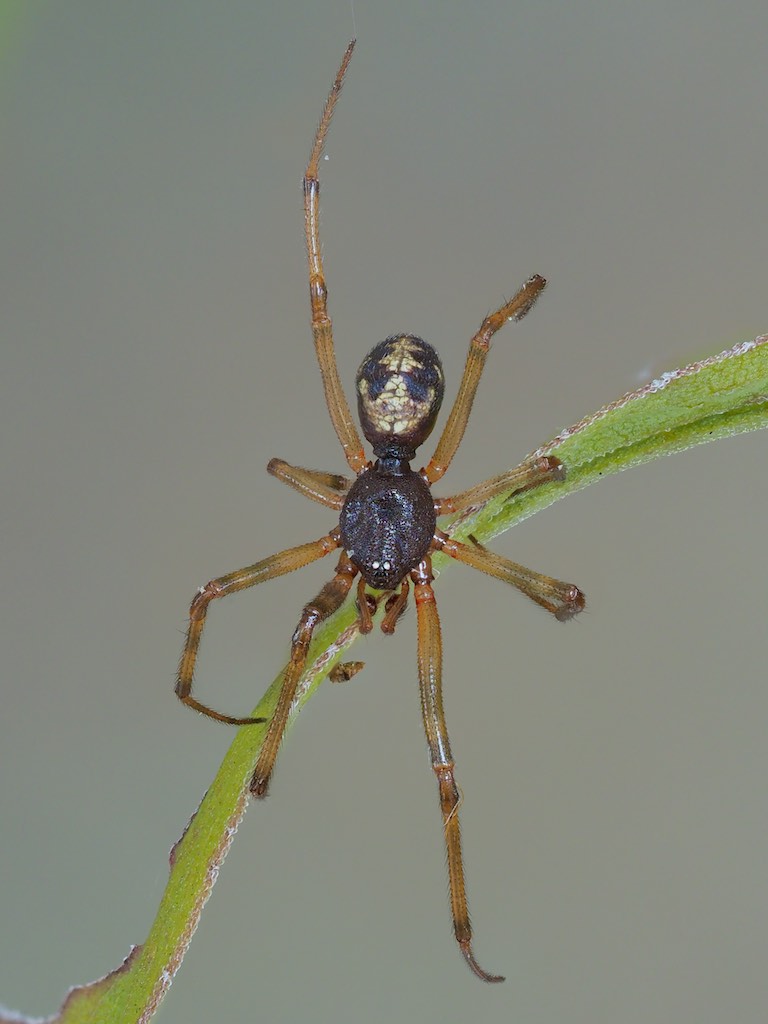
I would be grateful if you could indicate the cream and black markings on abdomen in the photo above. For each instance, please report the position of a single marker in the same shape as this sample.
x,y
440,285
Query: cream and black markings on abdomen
x,y
400,386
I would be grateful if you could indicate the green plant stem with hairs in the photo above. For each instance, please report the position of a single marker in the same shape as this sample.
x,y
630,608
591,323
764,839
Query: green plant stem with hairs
x,y
712,399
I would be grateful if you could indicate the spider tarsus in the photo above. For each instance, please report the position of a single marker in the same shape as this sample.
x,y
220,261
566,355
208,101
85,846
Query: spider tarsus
x,y
259,788
551,464
528,295
232,720
203,709
475,967
575,602
327,114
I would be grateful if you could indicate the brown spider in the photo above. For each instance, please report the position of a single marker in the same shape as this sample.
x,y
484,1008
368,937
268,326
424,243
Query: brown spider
x,y
387,527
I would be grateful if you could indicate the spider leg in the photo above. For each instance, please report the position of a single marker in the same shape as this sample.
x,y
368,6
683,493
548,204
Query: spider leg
x,y
394,608
564,600
327,488
522,478
267,569
431,690
330,598
479,346
366,607
322,328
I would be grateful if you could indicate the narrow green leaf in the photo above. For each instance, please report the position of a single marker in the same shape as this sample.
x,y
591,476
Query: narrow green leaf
x,y
726,394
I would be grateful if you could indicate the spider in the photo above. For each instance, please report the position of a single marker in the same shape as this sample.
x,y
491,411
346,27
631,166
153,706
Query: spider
x,y
387,527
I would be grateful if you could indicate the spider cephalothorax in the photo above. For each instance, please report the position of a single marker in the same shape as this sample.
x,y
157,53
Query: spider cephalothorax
x,y
387,528
387,522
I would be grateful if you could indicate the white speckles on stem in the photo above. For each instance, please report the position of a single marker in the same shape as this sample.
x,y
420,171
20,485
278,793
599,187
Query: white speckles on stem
x,y
654,386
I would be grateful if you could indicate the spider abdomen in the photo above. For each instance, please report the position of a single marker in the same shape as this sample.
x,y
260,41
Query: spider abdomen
x,y
400,386
387,523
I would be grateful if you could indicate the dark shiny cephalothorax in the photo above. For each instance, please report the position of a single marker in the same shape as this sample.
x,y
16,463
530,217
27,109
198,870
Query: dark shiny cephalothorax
x,y
387,522
388,519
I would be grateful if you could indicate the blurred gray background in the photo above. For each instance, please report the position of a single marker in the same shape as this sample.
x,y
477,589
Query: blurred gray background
x,y
156,353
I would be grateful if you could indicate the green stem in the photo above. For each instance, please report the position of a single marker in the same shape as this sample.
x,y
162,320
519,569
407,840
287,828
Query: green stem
x,y
724,395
